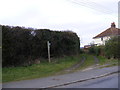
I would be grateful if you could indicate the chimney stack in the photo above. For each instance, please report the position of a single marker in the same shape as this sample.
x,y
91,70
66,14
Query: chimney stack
x,y
113,25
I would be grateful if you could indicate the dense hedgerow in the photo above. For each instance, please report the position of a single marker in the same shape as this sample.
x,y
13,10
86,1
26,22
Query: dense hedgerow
x,y
22,46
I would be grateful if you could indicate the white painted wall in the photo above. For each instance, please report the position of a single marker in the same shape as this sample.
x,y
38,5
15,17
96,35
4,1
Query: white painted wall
x,y
100,41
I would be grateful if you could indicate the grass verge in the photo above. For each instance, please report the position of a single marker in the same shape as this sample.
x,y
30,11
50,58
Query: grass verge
x,y
38,70
48,69
89,61
111,62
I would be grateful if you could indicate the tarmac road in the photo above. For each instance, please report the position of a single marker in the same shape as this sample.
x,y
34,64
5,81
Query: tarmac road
x,y
110,81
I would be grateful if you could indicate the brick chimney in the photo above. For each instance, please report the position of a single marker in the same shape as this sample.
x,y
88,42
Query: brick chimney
x,y
113,25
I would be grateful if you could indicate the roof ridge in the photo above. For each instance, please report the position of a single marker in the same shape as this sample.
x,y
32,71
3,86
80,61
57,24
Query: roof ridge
x,y
108,32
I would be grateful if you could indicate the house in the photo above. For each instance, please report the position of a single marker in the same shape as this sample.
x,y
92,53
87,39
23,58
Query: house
x,y
101,38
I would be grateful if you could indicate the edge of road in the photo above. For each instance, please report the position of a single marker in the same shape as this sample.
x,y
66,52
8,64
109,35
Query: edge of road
x,y
111,71
86,79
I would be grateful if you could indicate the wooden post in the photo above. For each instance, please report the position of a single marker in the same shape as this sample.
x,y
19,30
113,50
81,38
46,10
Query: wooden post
x,y
48,45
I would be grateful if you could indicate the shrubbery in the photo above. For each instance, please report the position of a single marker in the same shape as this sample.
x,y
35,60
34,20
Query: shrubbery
x,y
22,46
112,48
95,50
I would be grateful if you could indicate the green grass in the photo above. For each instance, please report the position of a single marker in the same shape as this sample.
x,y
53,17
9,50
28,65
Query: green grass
x,y
89,61
104,60
45,69
38,70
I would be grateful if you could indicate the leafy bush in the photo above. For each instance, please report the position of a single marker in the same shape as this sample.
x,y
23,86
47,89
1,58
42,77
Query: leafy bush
x,y
112,48
95,50
21,46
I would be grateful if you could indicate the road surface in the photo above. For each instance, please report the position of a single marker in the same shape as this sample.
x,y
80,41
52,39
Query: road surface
x,y
110,81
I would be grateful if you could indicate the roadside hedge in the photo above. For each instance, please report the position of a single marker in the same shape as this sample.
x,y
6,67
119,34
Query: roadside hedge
x,y
23,46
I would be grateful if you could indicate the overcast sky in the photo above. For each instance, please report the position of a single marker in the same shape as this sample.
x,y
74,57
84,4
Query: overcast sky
x,y
85,17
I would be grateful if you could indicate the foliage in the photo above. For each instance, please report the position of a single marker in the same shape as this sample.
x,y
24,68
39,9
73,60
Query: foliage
x,y
95,50
103,60
112,48
82,51
22,46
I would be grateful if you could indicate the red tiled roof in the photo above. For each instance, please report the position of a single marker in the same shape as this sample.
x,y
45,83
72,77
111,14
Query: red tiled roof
x,y
109,32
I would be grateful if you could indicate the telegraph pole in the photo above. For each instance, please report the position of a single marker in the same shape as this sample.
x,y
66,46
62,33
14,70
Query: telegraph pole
x,y
48,45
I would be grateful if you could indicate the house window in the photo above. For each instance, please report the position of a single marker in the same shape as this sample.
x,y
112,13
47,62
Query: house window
x,y
102,39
